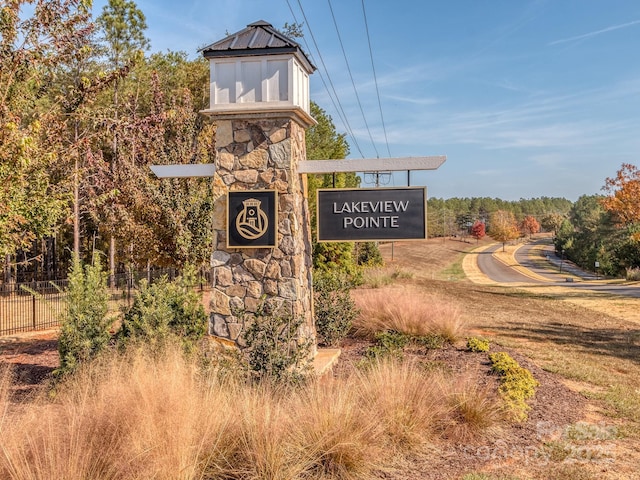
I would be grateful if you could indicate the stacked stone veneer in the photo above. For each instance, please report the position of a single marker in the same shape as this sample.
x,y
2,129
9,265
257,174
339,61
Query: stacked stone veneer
x,y
261,154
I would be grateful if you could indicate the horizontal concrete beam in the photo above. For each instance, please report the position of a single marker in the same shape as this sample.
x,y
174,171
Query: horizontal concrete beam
x,y
371,164
184,170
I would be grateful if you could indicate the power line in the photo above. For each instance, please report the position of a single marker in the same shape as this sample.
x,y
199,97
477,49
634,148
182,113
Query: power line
x,y
375,78
341,113
353,83
340,109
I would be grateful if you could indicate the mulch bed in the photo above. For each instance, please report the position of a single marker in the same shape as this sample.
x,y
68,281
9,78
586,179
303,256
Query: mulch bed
x,y
33,358
516,445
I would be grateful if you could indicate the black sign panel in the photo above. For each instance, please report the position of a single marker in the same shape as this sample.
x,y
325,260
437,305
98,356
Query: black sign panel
x,y
252,220
371,214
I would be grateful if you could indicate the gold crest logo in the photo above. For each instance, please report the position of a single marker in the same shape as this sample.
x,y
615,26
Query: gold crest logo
x,y
252,222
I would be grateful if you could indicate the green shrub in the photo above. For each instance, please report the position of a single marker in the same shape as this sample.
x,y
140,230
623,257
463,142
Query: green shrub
x,y
388,344
165,310
392,340
432,341
368,254
337,257
85,326
392,344
274,349
517,384
478,344
334,308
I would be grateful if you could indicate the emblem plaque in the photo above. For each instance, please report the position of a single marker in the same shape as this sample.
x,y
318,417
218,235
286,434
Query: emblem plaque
x,y
252,219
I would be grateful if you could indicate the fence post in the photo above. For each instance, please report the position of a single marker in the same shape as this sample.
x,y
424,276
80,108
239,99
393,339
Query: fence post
x,y
33,309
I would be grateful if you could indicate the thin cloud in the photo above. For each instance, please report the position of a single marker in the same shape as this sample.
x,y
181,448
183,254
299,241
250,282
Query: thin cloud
x,y
593,34
558,122
420,101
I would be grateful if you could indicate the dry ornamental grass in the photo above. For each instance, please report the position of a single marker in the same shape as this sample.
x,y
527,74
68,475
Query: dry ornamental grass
x,y
408,311
158,416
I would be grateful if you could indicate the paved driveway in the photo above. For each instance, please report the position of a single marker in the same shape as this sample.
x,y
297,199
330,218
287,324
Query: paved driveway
x,y
545,267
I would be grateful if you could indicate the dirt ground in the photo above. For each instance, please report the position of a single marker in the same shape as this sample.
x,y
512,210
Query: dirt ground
x,y
580,356
33,357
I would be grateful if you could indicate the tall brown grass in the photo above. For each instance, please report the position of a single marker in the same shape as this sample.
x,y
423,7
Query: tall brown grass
x,y
340,437
5,384
132,416
258,445
406,401
473,411
406,311
380,277
142,415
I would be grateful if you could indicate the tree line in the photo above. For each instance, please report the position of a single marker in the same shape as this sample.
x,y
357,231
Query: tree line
x,y
599,233
457,216
602,232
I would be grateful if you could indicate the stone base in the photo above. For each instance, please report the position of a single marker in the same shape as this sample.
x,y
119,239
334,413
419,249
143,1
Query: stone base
x,y
261,153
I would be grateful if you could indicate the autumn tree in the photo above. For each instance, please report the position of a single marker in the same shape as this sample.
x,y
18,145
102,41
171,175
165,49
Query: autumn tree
x,y
623,203
530,225
503,227
32,46
478,230
623,194
183,229
157,222
122,26
170,130
551,222
78,83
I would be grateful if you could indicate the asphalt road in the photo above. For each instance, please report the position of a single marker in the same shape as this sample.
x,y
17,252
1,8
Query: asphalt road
x,y
539,258
499,271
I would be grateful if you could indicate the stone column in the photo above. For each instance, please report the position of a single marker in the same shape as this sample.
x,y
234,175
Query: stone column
x,y
261,152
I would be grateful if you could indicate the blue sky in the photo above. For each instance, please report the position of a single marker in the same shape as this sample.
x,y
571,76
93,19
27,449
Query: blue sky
x,y
526,98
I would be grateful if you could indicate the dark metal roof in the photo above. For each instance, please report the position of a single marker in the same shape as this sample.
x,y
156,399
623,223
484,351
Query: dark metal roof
x,y
259,38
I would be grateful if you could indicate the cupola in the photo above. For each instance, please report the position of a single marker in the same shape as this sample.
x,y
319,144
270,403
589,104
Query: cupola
x,y
258,70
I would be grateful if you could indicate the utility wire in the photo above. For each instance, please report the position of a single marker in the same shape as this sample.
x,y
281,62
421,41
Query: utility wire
x,y
340,109
341,113
375,79
353,83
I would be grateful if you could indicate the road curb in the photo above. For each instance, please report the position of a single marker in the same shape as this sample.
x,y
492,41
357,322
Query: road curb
x,y
472,270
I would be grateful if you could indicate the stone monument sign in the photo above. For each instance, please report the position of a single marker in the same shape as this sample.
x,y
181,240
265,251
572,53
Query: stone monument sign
x,y
259,86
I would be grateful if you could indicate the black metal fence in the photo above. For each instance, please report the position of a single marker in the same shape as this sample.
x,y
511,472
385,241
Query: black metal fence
x,y
33,306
